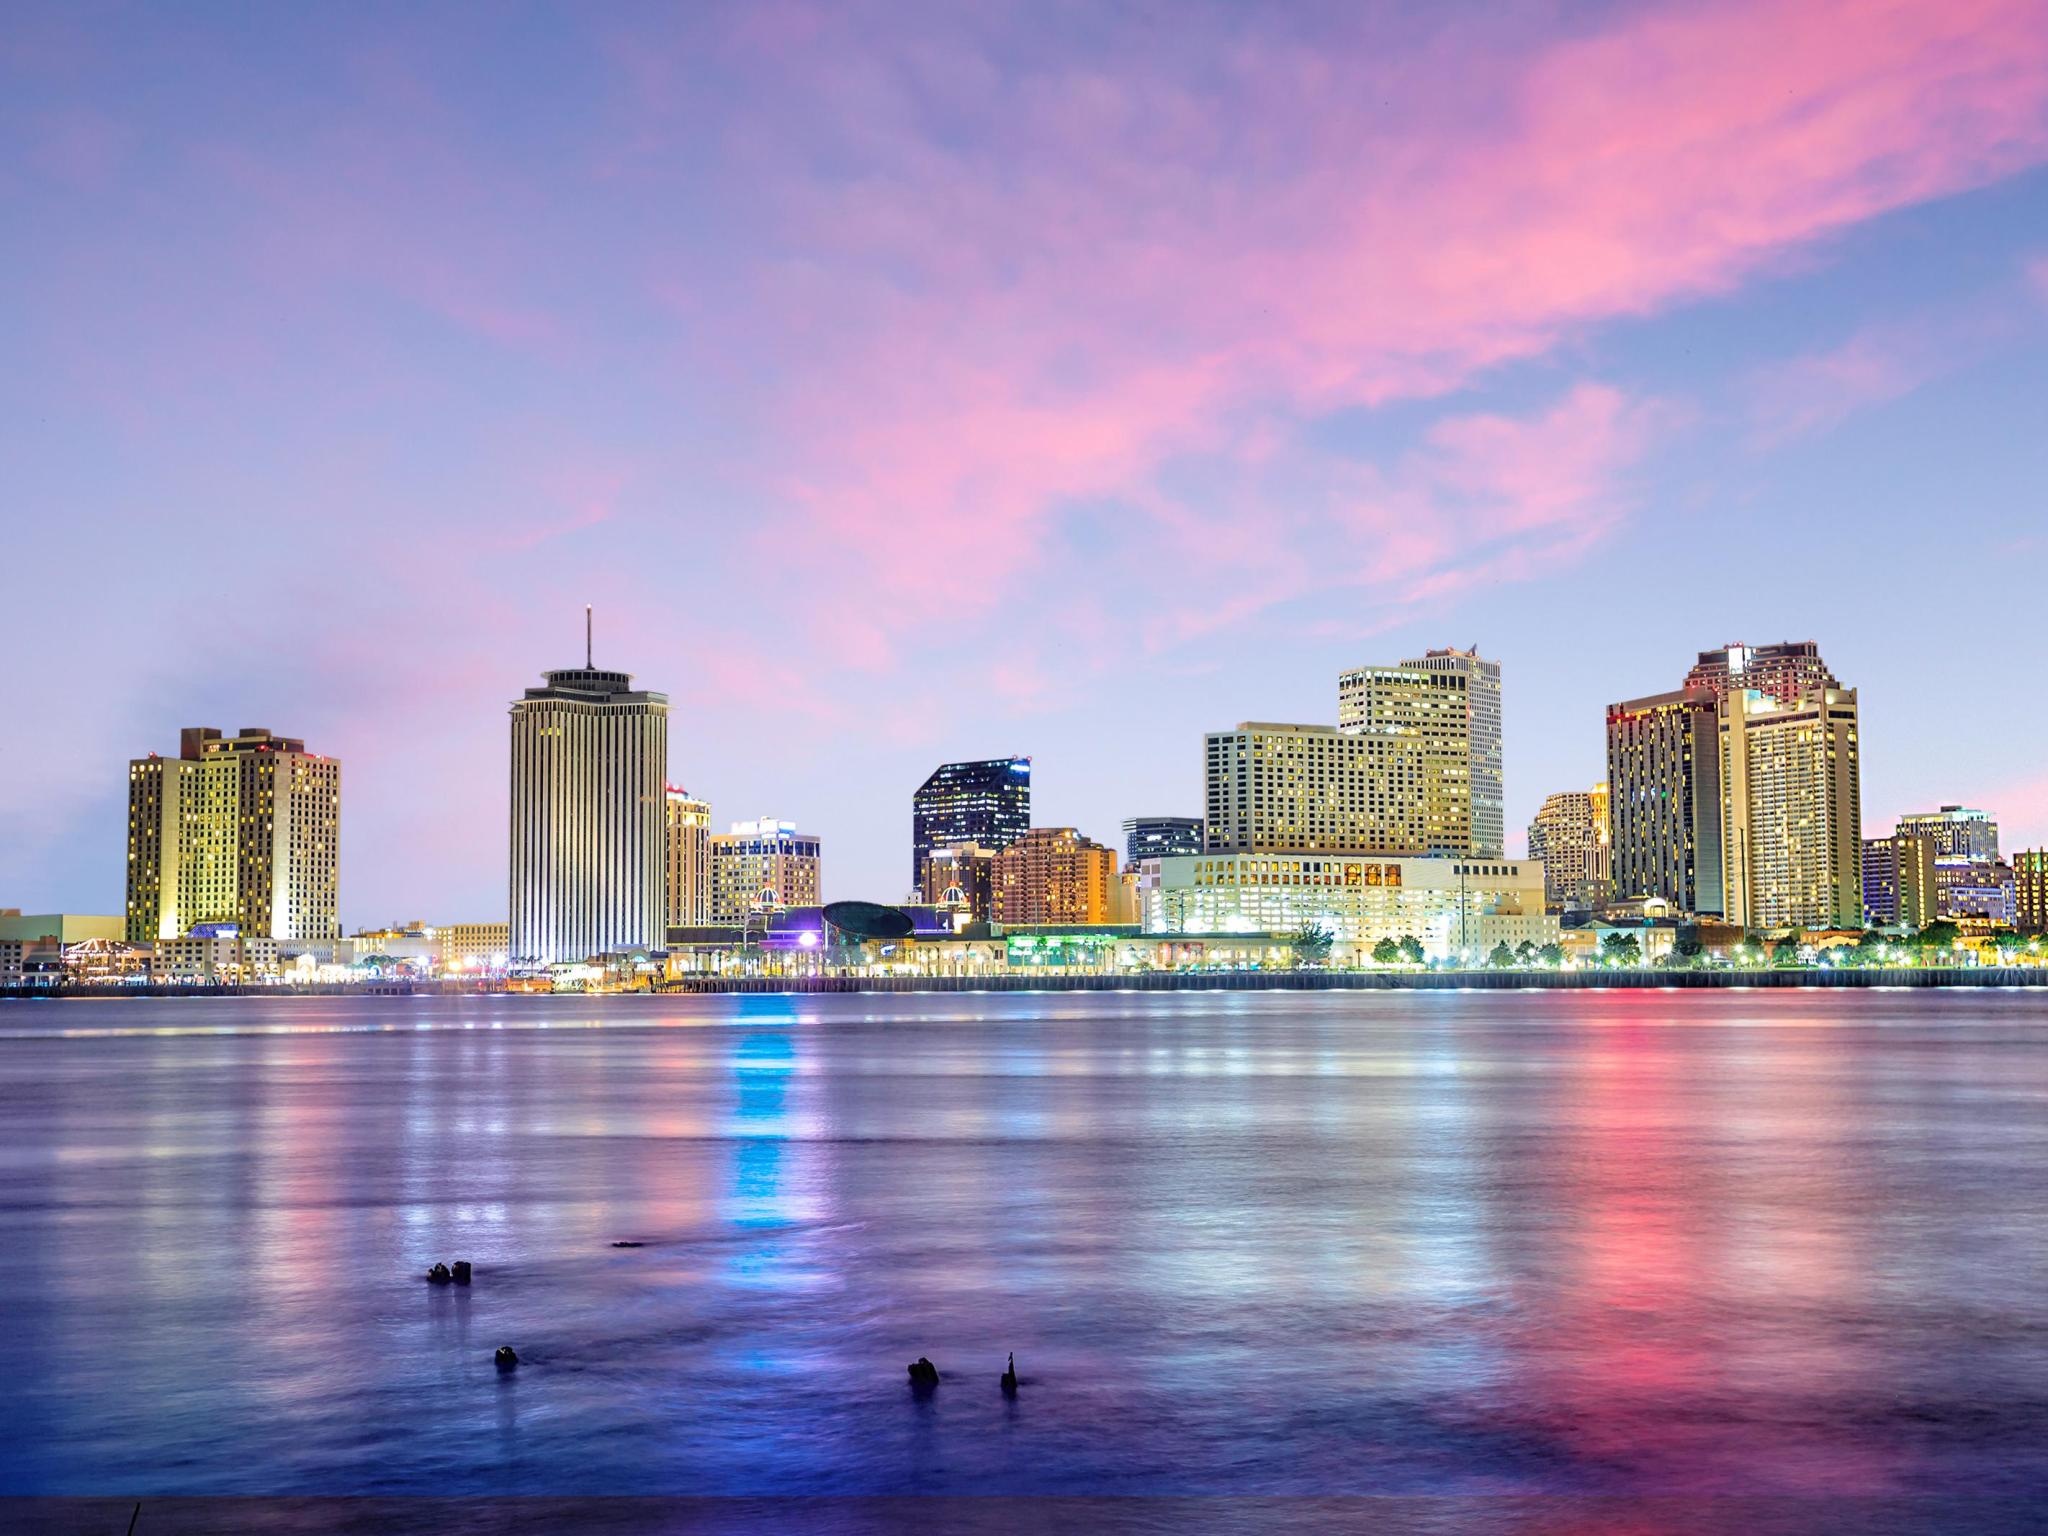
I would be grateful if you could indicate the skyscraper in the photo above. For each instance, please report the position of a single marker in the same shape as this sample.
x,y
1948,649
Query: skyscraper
x,y
1568,837
1156,837
589,818
1783,671
1419,723
987,802
1664,799
1486,773
764,866
244,829
689,860
1312,788
1792,846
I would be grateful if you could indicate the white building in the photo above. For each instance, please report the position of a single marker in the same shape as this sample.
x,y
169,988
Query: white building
x,y
1455,907
589,823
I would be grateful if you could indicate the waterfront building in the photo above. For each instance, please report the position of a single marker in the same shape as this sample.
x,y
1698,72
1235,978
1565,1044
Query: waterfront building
x,y
764,865
589,819
1664,802
1955,832
1416,724
962,878
215,957
2030,890
1486,766
986,802
1314,788
1155,837
1452,906
60,927
1898,881
1791,809
241,829
689,859
475,946
1054,875
1569,837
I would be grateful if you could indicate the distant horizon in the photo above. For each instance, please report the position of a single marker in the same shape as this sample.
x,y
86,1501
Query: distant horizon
x,y
905,384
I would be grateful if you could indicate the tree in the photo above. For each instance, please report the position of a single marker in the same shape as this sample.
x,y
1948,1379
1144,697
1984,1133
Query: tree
x,y
1551,954
1312,943
1785,952
1621,949
1939,935
1411,949
1500,957
1525,953
1386,952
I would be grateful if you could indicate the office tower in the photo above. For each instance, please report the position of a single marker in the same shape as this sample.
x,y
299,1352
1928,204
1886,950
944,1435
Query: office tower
x,y
1898,881
1785,671
1310,788
764,866
2030,891
242,830
1956,832
689,860
1054,875
962,877
1600,869
1664,800
1419,725
1486,766
1792,848
987,802
1155,837
589,824
1567,835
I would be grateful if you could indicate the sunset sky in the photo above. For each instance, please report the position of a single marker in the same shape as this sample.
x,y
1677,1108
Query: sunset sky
x,y
905,382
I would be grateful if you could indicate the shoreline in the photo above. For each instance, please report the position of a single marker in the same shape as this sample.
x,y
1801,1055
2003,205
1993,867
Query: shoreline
x,y
1946,977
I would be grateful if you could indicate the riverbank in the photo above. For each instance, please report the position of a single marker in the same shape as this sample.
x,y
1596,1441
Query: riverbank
x,y
1174,981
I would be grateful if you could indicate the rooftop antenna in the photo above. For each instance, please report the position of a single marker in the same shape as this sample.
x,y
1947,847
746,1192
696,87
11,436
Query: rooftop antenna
x,y
588,664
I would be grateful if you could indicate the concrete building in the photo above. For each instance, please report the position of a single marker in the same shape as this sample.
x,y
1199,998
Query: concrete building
x,y
1486,771
1311,788
962,878
1568,837
986,802
475,946
1158,837
244,829
59,927
1664,806
2030,891
1898,881
235,959
1955,832
1054,875
764,866
1791,809
1415,725
589,821
689,859
1452,906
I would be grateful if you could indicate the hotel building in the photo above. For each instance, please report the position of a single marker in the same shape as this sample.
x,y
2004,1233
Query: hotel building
x,y
1569,838
1313,789
962,878
1898,881
589,829
1791,809
986,802
1055,875
689,860
1664,800
1452,906
1417,726
1479,681
763,866
239,830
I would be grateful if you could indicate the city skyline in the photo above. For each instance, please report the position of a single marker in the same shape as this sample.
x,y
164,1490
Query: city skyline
x,y
329,330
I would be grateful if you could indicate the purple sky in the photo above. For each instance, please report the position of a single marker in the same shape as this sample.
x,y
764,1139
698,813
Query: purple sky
x,y
905,383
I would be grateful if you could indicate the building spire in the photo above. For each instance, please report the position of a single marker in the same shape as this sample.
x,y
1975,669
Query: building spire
x,y
588,663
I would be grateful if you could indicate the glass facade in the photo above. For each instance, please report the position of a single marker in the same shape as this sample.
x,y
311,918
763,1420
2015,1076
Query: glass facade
x,y
987,802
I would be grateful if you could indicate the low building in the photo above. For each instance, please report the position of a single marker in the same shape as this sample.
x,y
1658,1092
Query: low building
x,y
60,927
474,946
962,876
1456,908
227,958
1898,881
107,962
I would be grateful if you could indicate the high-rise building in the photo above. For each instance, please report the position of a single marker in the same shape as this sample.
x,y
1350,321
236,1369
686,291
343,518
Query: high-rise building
x,y
1792,849
689,860
1600,869
962,877
1955,832
764,866
242,830
1664,800
589,819
1312,788
1569,837
1417,724
986,802
1486,764
1157,837
1785,671
1054,875
2030,890
1898,881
